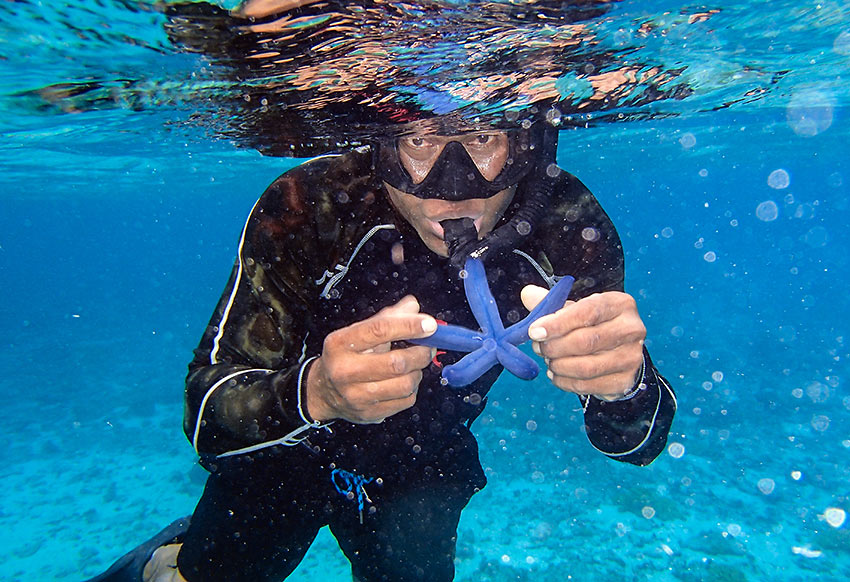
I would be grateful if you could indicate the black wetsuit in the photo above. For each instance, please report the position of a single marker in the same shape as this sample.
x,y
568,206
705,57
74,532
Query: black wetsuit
x,y
322,249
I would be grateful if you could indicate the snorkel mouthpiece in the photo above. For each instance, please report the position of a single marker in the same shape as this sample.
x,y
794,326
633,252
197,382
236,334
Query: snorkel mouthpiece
x,y
461,237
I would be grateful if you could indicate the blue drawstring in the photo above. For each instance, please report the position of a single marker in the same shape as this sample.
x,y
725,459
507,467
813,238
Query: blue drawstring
x,y
351,485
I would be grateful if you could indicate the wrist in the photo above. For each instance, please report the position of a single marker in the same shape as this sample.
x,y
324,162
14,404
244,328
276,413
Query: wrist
x,y
317,408
638,385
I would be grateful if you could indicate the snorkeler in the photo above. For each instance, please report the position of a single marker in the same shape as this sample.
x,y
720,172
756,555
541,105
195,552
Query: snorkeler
x,y
309,406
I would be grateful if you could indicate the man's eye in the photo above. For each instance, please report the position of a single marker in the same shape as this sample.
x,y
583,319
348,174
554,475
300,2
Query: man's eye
x,y
481,140
417,142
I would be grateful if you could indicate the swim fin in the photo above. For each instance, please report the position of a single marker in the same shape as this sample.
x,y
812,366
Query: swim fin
x,y
129,567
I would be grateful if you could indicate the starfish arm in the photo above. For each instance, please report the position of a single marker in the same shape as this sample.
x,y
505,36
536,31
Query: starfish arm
x,y
480,298
516,362
470,367
451,337
554,300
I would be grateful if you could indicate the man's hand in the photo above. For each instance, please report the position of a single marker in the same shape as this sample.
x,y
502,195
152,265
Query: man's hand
x,y
591,346
358,377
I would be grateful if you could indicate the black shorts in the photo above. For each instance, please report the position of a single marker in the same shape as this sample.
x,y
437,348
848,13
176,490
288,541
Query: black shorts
x,y
253,531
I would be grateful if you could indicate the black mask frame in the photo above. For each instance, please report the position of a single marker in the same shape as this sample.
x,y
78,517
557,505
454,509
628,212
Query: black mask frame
x,y
454,175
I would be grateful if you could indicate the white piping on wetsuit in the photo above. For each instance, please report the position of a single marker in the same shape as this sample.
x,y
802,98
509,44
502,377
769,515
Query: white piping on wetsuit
x,y
289,439
223,321
342,270
212,389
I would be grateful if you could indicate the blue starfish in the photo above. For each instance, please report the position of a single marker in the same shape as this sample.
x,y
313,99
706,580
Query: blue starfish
x,y
493,344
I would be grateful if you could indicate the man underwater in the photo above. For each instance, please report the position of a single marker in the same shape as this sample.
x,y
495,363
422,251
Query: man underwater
x,y
309,407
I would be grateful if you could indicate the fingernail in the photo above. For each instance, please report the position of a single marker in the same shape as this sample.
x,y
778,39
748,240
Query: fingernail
x,y
550,375
536,348
537,333
429,325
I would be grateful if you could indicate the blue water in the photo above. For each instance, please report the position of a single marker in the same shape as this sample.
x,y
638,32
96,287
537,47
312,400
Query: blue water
x,y
118,230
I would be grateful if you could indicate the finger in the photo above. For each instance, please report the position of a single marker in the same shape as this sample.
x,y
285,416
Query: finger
x,y
374,401
621,361
604,337
375,367
406,305
587,312
380,412
531,295
383,328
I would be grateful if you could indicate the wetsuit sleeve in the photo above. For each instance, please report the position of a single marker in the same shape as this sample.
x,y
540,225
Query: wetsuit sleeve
x,y
633,429
244,387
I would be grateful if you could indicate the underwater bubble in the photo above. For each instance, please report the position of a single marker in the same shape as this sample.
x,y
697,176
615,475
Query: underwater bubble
x,y
787,333
835,516
506,559
820,422
767,211
553,171
523,227
835,180
766,485
797,392
677,331
841,45
538,477
734,530
688,141
717,376
622,37
796,475
779,179
648,512
804,211
590,234
531,425
817,392
709,257
703,173
666,232
816,237
707,386
833,381
676,450
810,112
